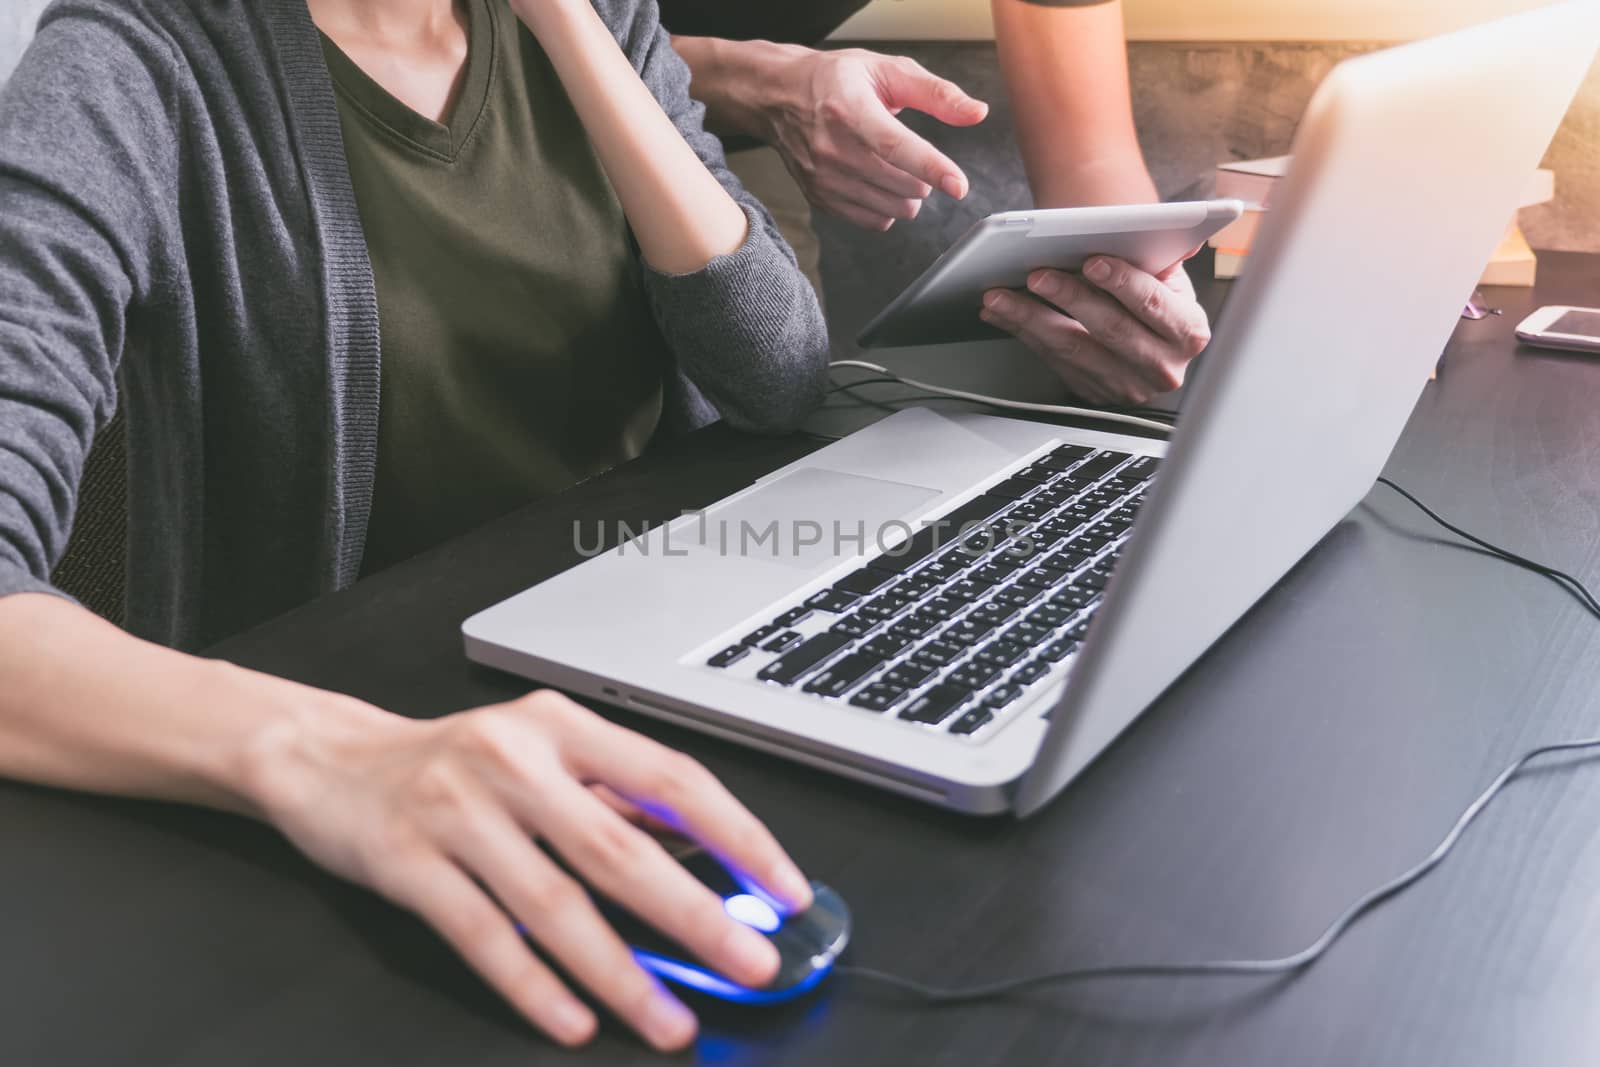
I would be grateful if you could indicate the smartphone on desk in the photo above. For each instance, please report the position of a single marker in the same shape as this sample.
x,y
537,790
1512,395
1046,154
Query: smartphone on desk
x,y
999,252
1572,329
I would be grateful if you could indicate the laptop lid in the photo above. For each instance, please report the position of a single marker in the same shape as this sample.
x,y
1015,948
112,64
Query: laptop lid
x,y
1407,166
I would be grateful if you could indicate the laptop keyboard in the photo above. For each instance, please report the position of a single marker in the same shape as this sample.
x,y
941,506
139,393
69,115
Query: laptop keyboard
x,y
957,624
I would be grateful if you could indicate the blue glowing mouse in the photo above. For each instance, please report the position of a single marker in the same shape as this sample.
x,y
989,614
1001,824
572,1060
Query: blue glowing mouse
x,y
808,943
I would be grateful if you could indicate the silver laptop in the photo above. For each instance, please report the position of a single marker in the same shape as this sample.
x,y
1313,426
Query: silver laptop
x,y
828,615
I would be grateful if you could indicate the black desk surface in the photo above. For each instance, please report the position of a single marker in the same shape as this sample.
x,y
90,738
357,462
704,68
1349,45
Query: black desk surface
x,y
1323,745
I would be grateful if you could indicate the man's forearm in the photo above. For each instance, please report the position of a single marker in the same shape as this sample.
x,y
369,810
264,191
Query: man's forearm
x,y
1066,69
735,81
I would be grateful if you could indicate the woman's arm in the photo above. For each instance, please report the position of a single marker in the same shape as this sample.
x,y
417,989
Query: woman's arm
x,y
439,816
739,315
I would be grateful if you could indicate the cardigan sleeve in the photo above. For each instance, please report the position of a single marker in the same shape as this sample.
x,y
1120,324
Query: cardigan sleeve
x,y
86,147
747,329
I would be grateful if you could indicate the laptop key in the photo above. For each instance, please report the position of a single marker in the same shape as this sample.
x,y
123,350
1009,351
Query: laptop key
x,y
729,656
917,585
864,581
936,704
760,635
1027,633
1013,488
907,675
1003,697
937,653
993,612
887,644
1065,456
782,642
972,722
836,678
1002,652
1050,615
789,618
1018,596
1141,470
974,675
798,661
879,696
943,607
1100,465
923,622
832,601
855,625
1073,597
968,631
1056,651
908,553
1031,673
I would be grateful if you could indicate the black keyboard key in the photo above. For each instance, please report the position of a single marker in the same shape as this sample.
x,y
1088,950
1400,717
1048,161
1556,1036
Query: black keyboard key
x,y
1043,576
902,557
789,618
887,645
833,601
1003,696
993,612
991,574
937,654
797,662
1094,578
1051,615
1140,470
1100,465
972,722
1068,559
946,566
1065,456
729,656
1038,474
1028,633
1031,510
1011,489
878,697
964,590
1018,596
759,635
1002,652
907,675
855,625
1079,632
1031,673
843,673
968,631
942,607
864,581
954,525
1056,651
974,675
917,585
782,642
1073,597
923,622
886,606
935,705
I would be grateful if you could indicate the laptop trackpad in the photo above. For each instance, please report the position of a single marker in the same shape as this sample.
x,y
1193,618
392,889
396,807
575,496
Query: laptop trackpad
x,y
808,517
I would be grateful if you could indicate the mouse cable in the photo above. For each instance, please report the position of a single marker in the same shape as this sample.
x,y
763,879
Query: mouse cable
x,y
1303,959
1011,405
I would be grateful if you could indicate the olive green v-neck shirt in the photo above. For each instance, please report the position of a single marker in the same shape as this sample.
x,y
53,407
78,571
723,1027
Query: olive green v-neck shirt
x,y
519,353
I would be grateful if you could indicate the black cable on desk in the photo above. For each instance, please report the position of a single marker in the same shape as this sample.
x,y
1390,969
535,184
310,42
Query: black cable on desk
x,y
1298,961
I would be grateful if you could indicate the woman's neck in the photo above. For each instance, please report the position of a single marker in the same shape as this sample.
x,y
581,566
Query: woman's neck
x,y
415,49
397,22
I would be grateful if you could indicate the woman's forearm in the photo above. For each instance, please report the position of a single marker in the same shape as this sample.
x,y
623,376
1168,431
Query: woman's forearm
x,y
737,81
681,215
87,706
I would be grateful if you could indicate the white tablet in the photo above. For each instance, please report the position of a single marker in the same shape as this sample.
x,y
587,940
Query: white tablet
x,y
1002,250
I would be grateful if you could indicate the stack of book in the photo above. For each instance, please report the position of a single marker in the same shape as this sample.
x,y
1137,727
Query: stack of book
x,y
1255,180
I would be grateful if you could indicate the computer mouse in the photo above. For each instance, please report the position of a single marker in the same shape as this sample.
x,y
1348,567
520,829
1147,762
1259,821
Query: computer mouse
x,y
808,943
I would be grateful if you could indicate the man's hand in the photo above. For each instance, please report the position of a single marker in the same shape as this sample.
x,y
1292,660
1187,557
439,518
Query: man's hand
x,y
832,117
836,127
1114,335
448,817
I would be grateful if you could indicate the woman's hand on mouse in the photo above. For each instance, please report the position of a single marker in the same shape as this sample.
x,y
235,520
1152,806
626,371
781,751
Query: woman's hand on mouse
x,y
1114,334
447,818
